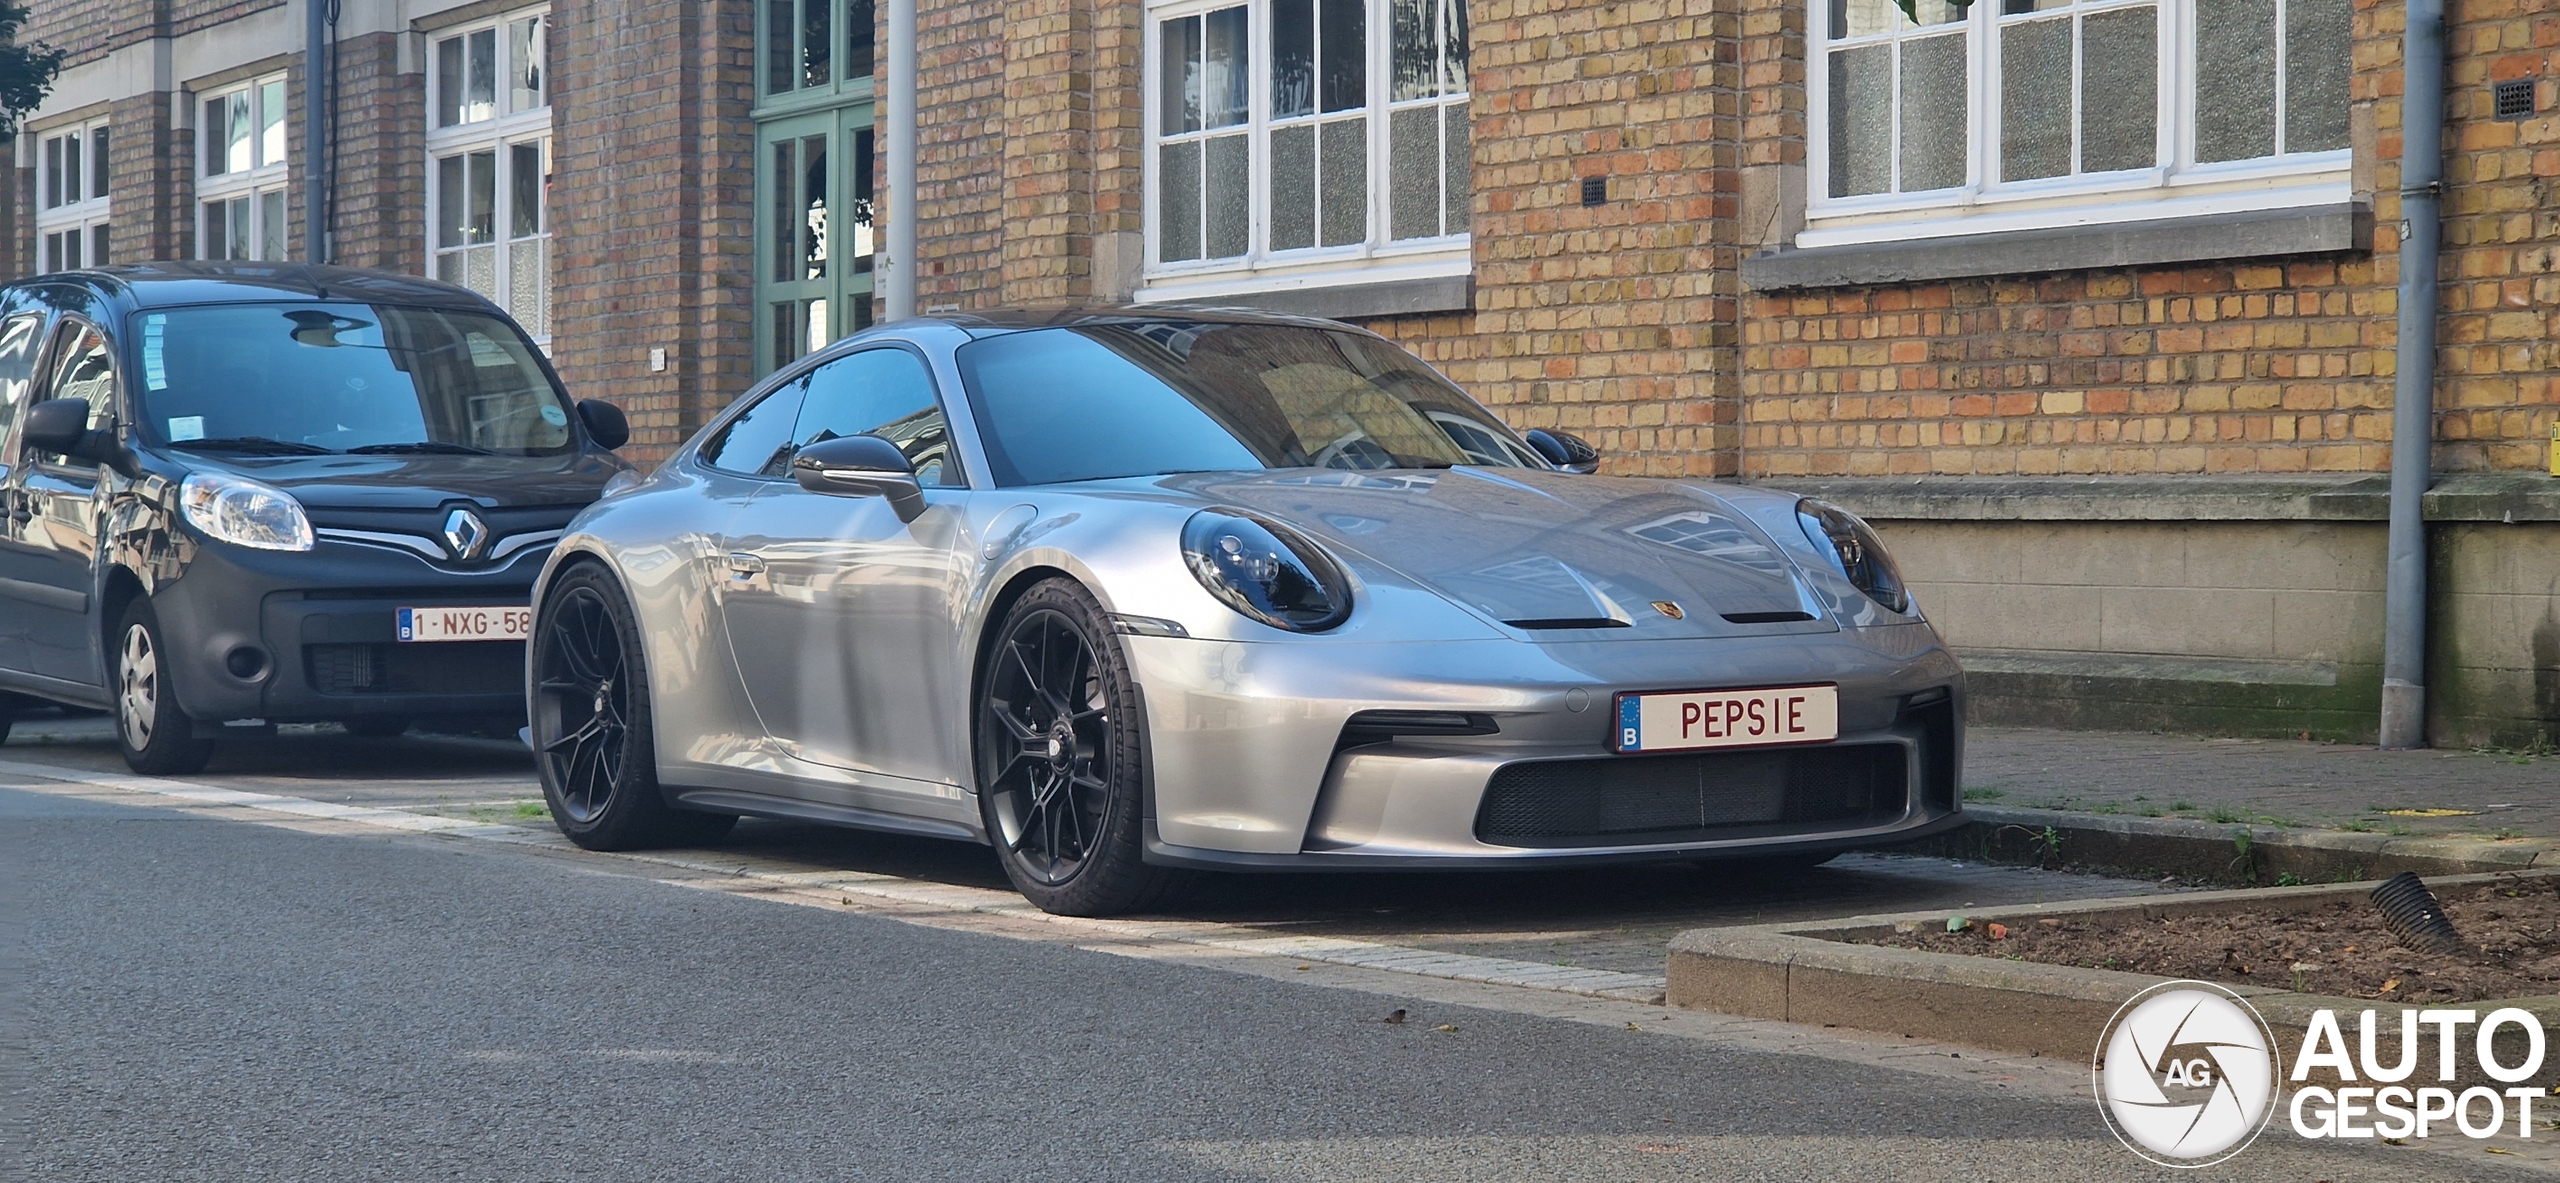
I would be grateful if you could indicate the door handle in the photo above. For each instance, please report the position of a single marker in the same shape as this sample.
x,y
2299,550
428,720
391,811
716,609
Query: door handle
x,y
745,566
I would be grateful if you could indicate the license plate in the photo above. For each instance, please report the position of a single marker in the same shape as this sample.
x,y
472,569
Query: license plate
x,y
1690,719
465,624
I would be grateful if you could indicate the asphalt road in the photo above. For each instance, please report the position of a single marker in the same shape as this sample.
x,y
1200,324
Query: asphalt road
x,y
209,999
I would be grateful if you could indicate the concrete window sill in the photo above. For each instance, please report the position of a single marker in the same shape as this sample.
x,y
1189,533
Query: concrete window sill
x,y
1402,297
2315,230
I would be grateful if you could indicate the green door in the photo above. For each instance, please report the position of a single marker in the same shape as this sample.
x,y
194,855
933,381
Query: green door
x,y
814,243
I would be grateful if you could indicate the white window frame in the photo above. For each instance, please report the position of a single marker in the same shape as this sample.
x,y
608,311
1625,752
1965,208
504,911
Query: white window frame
x,y
263,181
507,127
1376,259
84,218
2180,187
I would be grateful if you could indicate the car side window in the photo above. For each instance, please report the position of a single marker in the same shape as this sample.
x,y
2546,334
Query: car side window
x,y
883,392
758,443
86,370
18,338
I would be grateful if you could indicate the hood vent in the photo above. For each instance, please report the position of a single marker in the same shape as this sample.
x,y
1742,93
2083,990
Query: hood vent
x,y
1569,622
1767,617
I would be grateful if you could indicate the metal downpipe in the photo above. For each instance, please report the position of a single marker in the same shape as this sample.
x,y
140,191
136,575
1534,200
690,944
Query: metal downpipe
x,y
315,132
898,283
2404,640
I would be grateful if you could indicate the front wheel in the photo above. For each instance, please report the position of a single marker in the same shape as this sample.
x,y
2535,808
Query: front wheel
x,y
592,735
1060,761
157,738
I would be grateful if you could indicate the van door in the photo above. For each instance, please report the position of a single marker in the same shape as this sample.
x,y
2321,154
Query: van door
x,y
21,340
49,558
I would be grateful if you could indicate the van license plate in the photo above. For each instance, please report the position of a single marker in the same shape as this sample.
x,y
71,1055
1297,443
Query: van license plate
x,y
1688,720
466,624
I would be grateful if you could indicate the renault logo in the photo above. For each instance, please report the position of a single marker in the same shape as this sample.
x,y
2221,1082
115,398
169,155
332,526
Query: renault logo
x,y
465,534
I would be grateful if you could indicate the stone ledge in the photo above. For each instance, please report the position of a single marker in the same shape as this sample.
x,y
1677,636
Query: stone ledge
x,y
1456,293
2457,497
2147,667
2327,229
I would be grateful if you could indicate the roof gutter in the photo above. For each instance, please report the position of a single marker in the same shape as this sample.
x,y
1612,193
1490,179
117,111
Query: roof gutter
x,y
2404,640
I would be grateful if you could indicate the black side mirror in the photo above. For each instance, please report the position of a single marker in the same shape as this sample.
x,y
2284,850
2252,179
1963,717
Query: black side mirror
x,y
1565,451
860,466
606,424
61,426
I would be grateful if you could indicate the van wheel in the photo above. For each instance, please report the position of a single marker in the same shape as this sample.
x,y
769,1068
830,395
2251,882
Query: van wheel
x,y
156,737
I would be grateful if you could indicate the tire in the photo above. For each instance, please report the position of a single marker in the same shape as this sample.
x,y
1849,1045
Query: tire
x,y
593,740
157,738
377,727
1061,761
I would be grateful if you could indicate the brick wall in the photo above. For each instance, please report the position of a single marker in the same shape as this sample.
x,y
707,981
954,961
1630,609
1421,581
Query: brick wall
x,y
150,182
960,152
380,218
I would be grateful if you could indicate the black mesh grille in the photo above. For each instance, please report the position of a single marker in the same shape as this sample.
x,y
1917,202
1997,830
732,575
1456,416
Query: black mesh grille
x,y
1649,799
451,667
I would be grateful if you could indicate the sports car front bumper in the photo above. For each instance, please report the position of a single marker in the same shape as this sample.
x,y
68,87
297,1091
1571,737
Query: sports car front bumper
x,y
1257,762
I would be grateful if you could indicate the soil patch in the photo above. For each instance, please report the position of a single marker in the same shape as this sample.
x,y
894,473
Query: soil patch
x,y
2510,930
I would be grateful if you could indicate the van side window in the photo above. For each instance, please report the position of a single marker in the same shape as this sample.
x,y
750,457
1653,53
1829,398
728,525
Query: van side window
x,y
758,443
18,337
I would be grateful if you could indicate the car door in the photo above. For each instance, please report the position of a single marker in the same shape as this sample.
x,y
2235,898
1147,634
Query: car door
x,y
48,559
21,343
842,617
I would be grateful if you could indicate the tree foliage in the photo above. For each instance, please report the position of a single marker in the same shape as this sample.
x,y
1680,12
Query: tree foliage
x,y
26,68
1910,8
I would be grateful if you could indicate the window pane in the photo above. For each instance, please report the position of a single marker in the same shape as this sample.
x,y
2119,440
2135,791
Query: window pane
x,y
1293,188
271,123
1933,113
1453,46
272,238
2035,99
1342,63
859,219
98,162
813,208
1178,202
759,441
1861,120
1225,82
53,172
1858,18
239,149
483,209
2235,79
1457,169
453,220
1413,54
2317,58
528,52
785,188
98,245
1344,168
529,284
781,59
71,170
859,34
1179,92
241,246
448,83
525,178
1230,183
817,43
2119,90
883,392
1293,57
69,251
480,97
1413,194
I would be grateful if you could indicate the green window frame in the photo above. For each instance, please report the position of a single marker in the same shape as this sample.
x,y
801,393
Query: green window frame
x,y
814,175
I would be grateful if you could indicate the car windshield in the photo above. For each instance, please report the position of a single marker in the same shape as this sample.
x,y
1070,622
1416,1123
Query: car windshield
x,y
1147,398
313,378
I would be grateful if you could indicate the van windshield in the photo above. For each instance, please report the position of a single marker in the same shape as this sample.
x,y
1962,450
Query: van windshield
x,y
320,378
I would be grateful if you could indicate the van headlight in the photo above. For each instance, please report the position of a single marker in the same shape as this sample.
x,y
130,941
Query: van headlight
x,y
1855,550
244,512
1265,571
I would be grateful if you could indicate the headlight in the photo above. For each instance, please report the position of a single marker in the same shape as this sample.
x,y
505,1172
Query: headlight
x,y
1855,549
1265,572
243,512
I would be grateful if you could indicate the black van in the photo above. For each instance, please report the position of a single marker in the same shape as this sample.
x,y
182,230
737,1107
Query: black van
x,y
241,494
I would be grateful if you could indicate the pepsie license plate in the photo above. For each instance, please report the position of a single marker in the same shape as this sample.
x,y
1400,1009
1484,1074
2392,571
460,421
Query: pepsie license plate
x,y
466,624
1686,720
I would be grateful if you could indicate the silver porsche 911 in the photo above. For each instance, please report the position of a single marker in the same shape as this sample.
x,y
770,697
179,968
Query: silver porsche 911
x,y
1129,593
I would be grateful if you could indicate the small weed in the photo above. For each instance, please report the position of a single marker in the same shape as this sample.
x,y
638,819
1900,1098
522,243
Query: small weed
x,y
2245,866
2140,797
2506,833
2347,875
2289,879
2107,807
2356,827
2182,807
1983,794
532,809
2224,815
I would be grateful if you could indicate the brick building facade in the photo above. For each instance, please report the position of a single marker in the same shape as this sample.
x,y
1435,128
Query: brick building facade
x,y
2115,376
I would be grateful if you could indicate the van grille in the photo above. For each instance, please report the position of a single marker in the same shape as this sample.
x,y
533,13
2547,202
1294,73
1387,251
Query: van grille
x,y
450,667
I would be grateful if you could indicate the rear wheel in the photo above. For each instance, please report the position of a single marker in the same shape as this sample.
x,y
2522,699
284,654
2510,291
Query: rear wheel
x,y
1060,764
592,733
156,737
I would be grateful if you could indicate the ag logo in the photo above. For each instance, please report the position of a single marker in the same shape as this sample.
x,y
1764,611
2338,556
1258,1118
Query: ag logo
x,y
2186,1074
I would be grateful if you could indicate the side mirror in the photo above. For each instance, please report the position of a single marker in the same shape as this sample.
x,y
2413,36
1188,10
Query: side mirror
x,y
860,466
1565,451
61,426
605,422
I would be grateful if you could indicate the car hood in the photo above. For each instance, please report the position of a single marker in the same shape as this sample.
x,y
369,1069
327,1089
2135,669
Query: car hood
x,y
426,481
1602,557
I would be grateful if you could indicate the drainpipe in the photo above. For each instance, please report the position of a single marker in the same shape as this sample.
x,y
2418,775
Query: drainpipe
x,y
315,142
2404,641
898,286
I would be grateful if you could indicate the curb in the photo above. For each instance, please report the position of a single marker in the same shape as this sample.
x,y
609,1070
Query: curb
x,y
1809,973
2234,853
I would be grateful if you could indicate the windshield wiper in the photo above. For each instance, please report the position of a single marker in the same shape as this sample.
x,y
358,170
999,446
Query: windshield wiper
x,y
253,445
422,446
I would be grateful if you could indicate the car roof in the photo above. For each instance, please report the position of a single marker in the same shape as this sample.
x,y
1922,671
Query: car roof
x,y
994,321
160,285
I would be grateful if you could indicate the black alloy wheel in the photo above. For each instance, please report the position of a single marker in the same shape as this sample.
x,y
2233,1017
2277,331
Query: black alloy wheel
x,y
1059,759
591,731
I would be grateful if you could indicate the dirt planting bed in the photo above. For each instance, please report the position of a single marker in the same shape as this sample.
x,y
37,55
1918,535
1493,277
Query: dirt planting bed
x,y
2510,932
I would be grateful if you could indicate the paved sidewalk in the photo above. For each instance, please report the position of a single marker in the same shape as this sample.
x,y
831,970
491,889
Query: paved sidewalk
x,y
2267,782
